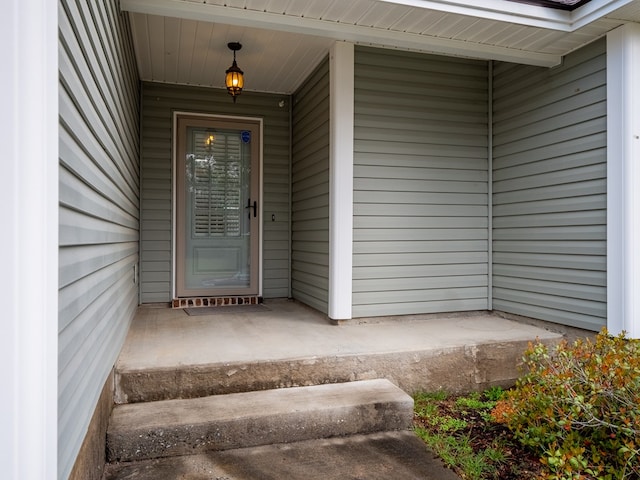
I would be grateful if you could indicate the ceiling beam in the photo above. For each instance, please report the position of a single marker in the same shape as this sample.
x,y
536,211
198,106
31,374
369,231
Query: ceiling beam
x,y
358,34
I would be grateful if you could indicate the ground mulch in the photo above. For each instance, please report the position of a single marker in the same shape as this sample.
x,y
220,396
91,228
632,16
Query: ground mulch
x,y
520,463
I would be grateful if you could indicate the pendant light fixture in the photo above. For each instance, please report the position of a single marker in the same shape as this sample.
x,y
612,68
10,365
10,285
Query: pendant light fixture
x,y
234,79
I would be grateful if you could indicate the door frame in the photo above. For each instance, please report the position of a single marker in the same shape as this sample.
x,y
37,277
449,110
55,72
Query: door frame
x,y
174,193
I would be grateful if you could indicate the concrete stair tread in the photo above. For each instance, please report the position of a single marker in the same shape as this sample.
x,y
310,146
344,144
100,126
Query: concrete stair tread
x,y
220,422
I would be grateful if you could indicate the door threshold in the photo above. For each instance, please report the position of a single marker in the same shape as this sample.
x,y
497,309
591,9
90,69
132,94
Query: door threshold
x,y
194,302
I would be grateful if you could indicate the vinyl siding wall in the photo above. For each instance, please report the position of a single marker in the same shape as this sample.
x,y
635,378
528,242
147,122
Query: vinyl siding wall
x,y
159,101
98,232
310,191
420,184
549,202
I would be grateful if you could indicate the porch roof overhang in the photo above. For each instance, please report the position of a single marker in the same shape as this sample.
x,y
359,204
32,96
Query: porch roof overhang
x,y
184,41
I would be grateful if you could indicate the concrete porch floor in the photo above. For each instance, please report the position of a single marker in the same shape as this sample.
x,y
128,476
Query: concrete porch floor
x,y
289,344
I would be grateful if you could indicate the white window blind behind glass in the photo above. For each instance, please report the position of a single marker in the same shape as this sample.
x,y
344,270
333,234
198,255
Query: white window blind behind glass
x,y
216,182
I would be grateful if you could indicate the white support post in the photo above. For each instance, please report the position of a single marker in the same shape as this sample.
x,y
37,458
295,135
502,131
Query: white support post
x,y
341,72
29,240
623,179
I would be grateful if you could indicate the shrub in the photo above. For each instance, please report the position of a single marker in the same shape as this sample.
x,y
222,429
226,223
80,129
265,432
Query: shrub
x,y
579,408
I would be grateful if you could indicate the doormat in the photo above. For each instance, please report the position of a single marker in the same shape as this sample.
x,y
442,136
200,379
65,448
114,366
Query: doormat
x,y
226,309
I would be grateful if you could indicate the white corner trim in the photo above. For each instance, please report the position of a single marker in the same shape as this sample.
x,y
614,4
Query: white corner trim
x,y
341,91
490,185
29,241
623,178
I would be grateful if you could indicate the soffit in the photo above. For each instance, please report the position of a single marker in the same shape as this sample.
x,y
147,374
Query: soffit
x,y
628,13
184,41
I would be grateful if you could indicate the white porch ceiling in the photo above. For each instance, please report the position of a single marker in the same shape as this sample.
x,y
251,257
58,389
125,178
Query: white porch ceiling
x,y
185,41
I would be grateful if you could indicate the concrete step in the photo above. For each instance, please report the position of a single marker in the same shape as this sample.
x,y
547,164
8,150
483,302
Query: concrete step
x,y
221,422
477,364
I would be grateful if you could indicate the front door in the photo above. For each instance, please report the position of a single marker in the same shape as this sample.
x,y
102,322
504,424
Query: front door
x,y
217,210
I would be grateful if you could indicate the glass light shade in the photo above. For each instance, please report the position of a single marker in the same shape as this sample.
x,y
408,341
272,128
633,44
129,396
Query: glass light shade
x,y
234,80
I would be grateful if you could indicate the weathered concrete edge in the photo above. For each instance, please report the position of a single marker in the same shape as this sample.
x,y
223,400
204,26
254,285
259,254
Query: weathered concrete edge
x,y
456,370
374,408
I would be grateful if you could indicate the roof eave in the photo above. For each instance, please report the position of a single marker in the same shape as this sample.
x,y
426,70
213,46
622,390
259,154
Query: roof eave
x,y
523,14
339,31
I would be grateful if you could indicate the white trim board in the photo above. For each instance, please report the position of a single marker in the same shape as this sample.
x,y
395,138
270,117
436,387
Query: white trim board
x,y
623,178
29,245
341,111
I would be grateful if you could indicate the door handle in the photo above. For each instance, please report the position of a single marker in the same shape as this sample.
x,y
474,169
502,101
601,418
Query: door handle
x,y
254,206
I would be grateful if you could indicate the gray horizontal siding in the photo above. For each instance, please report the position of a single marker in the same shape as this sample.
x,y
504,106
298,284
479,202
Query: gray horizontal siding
x,y
549,183
420,184
98,216
159,101
310,191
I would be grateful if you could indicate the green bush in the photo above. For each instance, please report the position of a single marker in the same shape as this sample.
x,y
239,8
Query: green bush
x,y
579,408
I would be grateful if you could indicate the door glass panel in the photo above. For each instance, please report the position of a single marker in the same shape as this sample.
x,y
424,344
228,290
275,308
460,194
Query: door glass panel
x,y
218,216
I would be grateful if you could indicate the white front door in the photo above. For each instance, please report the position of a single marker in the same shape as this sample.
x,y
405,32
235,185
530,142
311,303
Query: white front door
x,y
218,215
